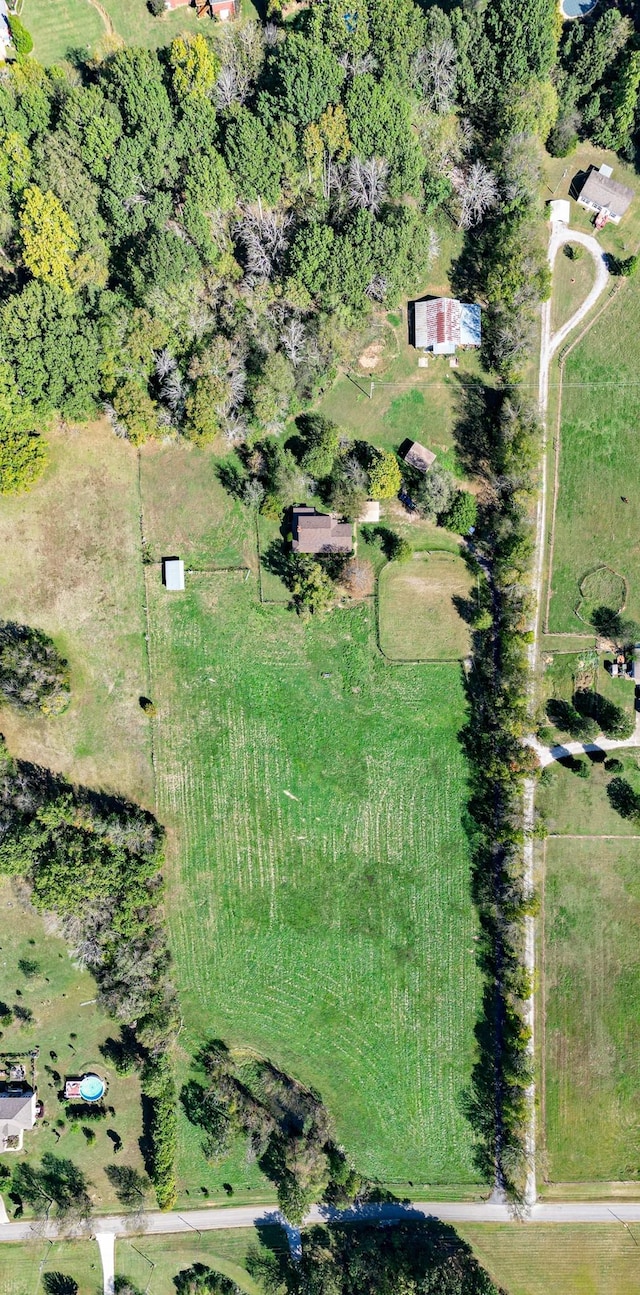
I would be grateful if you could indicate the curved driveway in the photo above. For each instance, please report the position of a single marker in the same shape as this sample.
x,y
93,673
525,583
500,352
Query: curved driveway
x,y
550,343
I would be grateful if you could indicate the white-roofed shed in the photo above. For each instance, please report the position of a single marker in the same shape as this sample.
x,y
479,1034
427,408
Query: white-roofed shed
x,y
560,211
173,574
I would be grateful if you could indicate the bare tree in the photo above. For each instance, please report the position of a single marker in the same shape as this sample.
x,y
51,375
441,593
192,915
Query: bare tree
x,y
434,73
357,64
367,183
477,189
241,50
376,289
264,237
293,340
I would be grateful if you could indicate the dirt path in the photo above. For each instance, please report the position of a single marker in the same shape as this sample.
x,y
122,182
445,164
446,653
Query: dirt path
x,y
106,18
550,343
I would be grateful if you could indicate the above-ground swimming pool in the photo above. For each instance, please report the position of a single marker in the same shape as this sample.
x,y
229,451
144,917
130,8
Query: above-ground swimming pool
x,y
92,1088
577,8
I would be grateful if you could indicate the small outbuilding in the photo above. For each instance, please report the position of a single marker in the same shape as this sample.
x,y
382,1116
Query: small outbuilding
x,y
173,574
443,323
419,457
604,195
17,1115
560,211
314,532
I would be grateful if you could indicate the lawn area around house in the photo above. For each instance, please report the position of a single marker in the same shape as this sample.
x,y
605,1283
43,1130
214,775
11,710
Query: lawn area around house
x,y
153,1262
572,282
565,672
22,1266
422,606
594,527
68,1028
580,806
591,988
318,870
70,565
558,1258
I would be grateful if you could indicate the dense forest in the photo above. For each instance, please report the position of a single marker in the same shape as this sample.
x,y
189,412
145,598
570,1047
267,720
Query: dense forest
x,y
188,237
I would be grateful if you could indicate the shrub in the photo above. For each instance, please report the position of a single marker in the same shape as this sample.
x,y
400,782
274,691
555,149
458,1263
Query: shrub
x,y
384,475
582,768
21,38
614,765
147,706
462,514
574,251
401,550
162,1130
611,719
29,967
156,7
623,798
33,675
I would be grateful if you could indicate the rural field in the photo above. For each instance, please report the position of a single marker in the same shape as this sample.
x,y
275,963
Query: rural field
x,y
320,909
64,28
594,527
153,1262
558,1258
591,978
580,806
422,608
70,565
22,1266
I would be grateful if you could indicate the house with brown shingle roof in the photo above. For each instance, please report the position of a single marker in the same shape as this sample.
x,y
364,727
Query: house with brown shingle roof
x,y
314,532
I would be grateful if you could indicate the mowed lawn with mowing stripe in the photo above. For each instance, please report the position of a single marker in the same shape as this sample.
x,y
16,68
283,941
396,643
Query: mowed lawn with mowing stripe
x,y
599,464
421,608
318,872
558,1258
592,993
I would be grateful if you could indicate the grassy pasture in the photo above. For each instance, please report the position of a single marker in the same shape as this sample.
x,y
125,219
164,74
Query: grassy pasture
x,y
419,618
580,806
320,910
594,527
153,1262
67,1024
70,565
592,989
22,1266
558,1258
572,282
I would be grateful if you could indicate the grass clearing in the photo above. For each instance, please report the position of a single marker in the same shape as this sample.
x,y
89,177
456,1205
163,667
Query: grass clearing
x,y
153,1262
594,526
62,28
580,806
67,1024
330,928
558,1258
572,282
22,1266
592,987
564,672
70,565
421,608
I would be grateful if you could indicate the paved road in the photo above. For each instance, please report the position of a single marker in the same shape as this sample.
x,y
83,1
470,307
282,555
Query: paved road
x,y
248,1216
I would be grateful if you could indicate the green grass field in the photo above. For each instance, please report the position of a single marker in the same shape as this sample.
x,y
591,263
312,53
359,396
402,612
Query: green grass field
x,y
592,987
572,282
319,842
580,806
319,901
558,1259
419,618
153,1262
597,462
74,544
22,1266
